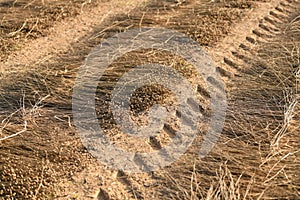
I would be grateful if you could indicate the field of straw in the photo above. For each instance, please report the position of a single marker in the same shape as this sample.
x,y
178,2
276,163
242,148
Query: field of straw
x,y
255,46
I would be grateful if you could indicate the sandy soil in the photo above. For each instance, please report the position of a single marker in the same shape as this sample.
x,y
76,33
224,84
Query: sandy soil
x,y
255,45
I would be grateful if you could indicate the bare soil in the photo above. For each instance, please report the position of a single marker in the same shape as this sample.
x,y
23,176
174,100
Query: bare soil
x,y
26,20
255,45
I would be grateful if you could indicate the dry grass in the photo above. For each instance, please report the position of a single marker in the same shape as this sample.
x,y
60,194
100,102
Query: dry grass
x,y
256,158
258,155
22,20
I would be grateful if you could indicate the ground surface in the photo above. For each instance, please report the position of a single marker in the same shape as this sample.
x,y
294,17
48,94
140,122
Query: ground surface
x,y
256,46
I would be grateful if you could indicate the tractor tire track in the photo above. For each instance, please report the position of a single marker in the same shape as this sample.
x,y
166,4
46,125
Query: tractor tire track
x,y
231,54
258,26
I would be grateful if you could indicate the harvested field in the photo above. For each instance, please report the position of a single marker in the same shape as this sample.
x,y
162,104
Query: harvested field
x,y
256,47
25,20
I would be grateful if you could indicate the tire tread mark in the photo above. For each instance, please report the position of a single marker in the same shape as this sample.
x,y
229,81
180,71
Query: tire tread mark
x,y
268,28
242,57
277,16
286,4
251,40
224,72
261,35
195,105
155,143
231,63
169,130
203,92
272,21
244,47
283,10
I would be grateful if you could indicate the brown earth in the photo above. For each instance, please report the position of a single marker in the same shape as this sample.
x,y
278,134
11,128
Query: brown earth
x,y
254,43
26,20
